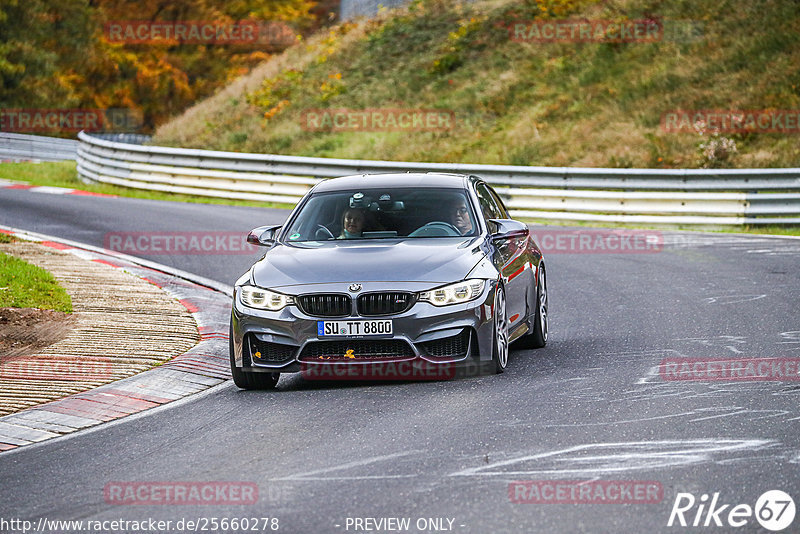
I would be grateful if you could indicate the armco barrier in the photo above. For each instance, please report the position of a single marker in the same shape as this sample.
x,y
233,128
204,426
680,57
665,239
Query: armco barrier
x,y
24,147
21,147
670,196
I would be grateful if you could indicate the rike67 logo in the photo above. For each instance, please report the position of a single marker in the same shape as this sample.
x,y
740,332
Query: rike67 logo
x,y
774,510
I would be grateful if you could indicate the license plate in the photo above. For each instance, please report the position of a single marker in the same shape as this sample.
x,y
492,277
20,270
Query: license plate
x,y
354,328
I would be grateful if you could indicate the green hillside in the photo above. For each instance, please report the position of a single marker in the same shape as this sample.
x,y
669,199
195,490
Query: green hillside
x,y
592,104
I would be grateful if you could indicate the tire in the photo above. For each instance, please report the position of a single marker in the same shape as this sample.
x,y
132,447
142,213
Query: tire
x,y
540,323
536,337
245,380
500,347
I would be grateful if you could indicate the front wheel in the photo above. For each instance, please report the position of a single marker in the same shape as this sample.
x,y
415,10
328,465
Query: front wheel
x,y
245,380
500,345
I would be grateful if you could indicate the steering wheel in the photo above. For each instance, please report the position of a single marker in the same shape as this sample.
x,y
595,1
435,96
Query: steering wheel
x,y
436,229
322,233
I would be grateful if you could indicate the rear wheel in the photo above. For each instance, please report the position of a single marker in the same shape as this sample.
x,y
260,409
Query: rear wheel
x,y
536,337
500,345
539,337
246,380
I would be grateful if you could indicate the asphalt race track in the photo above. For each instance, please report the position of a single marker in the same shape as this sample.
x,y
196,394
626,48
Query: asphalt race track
x,y
590,406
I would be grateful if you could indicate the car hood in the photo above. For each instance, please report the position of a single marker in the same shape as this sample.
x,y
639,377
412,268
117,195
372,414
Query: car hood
x,y
440,260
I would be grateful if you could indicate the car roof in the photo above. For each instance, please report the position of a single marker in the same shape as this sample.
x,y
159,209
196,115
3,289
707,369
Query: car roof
x,y
410,179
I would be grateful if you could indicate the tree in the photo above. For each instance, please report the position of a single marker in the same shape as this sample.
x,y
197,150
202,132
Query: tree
x,y
57,55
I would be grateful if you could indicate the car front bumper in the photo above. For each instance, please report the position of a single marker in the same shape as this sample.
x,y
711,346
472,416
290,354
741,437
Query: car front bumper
x,y
427,341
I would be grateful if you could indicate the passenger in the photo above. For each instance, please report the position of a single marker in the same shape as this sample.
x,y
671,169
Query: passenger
x,y
459,216
352,223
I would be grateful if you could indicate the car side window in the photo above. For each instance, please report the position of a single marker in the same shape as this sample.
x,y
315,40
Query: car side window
x,y
488,204
502,207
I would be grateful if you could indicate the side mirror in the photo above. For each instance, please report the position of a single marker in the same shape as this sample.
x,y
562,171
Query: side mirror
x,y
509,229
263,236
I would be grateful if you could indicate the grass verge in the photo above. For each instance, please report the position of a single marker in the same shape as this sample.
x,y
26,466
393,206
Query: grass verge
x,y
23,285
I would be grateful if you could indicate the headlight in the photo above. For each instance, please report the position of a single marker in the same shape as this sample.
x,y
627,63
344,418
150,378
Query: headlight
x,y
454,293
264,299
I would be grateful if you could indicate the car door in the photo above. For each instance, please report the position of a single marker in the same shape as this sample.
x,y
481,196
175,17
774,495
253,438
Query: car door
x,y
526,260
509,257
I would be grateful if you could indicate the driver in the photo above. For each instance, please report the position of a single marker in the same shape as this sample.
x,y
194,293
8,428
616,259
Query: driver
x,y
352,223
459,216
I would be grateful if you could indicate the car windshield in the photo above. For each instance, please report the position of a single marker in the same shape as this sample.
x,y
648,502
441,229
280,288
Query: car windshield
x,y
384,213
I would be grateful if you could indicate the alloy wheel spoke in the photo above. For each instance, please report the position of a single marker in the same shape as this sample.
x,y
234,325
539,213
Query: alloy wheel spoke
x,y
502,330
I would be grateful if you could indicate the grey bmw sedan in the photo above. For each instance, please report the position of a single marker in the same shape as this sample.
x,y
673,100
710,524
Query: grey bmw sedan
x,y
417,273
